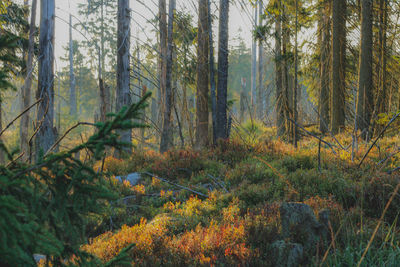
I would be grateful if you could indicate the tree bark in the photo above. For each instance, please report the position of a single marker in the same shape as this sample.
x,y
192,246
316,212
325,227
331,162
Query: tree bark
x,y
287,91
26,89
365,96
338,65
163,56
382,99
260,92
2,160
295,88
280,109
166,136
72,91
324,67
212,76
105,94
223,53
202,93
45,115
254,66
123,65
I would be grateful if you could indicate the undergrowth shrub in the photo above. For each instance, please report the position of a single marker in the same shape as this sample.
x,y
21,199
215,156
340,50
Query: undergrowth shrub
x,y
252,171
45,206
194,233
230,151
178,164
309,183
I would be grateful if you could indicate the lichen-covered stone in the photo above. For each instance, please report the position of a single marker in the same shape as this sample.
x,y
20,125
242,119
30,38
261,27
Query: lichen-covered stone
x,y
287,254
299,225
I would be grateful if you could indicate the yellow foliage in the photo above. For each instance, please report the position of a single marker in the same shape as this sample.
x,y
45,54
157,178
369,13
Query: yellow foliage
x,y
139,189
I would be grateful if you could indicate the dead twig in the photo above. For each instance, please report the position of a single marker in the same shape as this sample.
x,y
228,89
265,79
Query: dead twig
x,y
19,116
216,180
15,160
313,135
67,132
174,184
379,224
379,136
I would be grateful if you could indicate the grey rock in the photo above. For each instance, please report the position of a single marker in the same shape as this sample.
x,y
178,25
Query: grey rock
x,y
287,254
38,257
132,178
299,225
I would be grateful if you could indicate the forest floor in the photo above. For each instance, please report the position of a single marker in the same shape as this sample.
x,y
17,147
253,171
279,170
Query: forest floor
x,y
230,214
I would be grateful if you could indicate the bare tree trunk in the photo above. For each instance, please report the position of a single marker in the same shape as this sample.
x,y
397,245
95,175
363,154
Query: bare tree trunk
x,y
286,80
46,135
365,96
26,89
260,92
212,76
186,111
163,56
324,64
141,91
123,65
166,136
2,160
295,88
280,109
72,91
254,66
106,88
382,99
223,53
338,65
202,77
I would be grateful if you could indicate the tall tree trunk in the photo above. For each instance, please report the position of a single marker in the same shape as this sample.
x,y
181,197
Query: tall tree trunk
x,y
223,53
243,99
123,65
107,89
26,89
102,89
280,109
202,77
2,160
166,136
186,111
365,96
163,56
212,76
254,66
286,77
295,88
72,91
46,135
324,68
338,65
382,99
141,91
260,92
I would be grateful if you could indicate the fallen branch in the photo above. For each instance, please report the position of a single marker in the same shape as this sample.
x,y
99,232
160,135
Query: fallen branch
x,y
313,135
15,160
379,136
19,116
174,184
390,156
66,133
394,170
218,182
